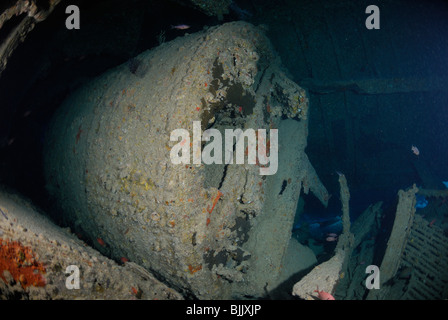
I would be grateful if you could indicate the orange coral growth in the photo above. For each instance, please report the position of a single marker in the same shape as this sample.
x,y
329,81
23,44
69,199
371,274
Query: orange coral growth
x,y
215,202
21,264
193,270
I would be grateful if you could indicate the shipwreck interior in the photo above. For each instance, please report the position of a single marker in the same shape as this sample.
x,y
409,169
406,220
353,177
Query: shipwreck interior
x,y
80,108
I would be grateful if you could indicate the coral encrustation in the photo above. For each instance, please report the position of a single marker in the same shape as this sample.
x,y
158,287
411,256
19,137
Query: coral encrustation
x,y
21,263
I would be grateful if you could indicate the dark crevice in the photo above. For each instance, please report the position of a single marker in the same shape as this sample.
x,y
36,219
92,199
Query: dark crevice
x,y
284,184
10,25
223,177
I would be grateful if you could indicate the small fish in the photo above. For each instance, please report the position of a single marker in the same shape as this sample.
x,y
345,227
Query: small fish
x,y
445,183
124,260
181,27
415,150
101,242
322,295
331,239
432,222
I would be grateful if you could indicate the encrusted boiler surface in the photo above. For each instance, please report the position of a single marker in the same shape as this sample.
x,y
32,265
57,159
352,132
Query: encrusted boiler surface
x,y
108,160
